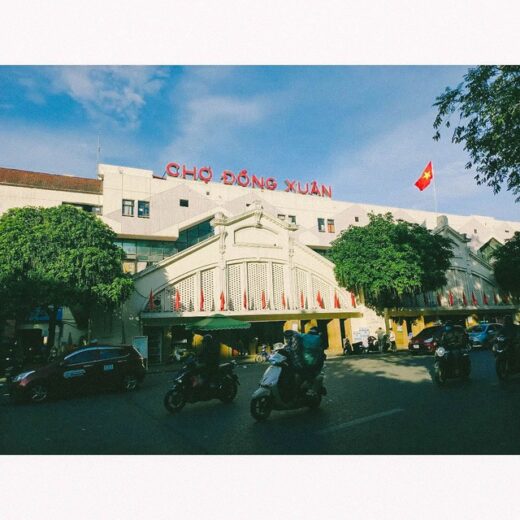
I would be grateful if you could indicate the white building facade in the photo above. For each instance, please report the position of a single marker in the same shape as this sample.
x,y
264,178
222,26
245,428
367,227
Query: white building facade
x,y
200,243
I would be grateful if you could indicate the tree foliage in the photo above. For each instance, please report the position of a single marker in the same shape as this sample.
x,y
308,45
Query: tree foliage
x,y
488,105
387,260
507,265
59,256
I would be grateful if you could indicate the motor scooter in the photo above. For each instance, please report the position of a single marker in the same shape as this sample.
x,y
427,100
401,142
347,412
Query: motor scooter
x,y
190,387
451,364
507,362
271,396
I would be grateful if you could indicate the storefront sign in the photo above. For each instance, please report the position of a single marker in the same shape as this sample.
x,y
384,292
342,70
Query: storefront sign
x,y
245,180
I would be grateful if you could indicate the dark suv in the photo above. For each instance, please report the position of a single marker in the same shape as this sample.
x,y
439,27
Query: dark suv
x,y
87,368
426,340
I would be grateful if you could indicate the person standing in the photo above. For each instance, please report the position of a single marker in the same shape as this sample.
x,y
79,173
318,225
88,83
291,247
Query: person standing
x,y
380,333
391,337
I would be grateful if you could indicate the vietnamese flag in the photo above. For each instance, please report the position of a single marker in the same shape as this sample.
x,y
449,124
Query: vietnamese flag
x,y
284,303
302,300
464,299
222,301
353,299
486,301
426,177
151,304
319,299
336,301
450,295
474,299
201,299
264,303
177,300
245,300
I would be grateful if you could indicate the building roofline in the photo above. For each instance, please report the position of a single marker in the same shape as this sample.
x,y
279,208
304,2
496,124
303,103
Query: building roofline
x,y
50,181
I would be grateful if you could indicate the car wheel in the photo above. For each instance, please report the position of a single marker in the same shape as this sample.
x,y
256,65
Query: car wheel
x,y
129,383
228,390
174,400
38,392
261,407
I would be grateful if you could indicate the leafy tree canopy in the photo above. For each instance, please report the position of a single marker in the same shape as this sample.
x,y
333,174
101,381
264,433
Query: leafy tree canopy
x,y
59,256
507,265
488,106
387,259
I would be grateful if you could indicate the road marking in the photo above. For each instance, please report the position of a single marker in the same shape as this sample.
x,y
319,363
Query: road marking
x,y
361,420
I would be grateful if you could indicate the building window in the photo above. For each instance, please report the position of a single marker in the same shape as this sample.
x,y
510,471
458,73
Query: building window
x,y
475,231
143,209
89,208
128,208
356,219
292,219
507,230
281,217
184,203
330,226
321,225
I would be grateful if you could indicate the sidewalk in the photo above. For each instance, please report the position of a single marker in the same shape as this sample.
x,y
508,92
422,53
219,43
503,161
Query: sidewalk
x,y
249,360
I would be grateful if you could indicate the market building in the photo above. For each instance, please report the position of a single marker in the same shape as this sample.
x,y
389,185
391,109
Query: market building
x,y
200,242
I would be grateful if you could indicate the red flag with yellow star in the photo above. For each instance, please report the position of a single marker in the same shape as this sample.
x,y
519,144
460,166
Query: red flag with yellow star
x,y
426,177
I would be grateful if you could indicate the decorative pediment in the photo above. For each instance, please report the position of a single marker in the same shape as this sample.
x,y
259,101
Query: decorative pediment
x,y
259,236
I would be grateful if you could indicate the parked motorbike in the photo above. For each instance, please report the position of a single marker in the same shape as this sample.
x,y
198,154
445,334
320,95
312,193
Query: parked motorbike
x,y
263,356
451,364
190,387
270,396
506,359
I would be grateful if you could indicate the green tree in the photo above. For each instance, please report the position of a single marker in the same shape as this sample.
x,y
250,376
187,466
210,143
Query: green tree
x,y
488,106
59,256
507,266
386,260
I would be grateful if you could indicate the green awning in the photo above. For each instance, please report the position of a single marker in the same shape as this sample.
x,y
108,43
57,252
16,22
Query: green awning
x,y
218,322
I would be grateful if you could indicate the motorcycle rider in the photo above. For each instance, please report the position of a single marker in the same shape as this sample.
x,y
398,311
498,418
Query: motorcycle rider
x,y
209,358
453,338
314,357
510,333
292,375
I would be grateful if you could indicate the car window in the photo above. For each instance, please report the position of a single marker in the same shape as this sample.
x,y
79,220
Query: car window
x,y
83,357
110,353
428,332
476,329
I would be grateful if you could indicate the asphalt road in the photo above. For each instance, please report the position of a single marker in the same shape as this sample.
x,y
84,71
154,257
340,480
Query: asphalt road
x,y
381,404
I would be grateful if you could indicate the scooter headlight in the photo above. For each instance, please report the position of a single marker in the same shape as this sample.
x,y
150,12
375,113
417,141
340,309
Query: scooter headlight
x,y
440,351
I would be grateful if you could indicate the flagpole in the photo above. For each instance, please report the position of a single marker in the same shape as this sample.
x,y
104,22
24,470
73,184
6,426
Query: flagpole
x,y
435,192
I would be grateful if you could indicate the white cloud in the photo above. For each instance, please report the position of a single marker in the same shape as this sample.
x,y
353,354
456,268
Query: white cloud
x,y
107,94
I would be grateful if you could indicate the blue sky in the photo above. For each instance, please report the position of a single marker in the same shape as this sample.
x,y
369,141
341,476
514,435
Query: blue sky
x,y
365,130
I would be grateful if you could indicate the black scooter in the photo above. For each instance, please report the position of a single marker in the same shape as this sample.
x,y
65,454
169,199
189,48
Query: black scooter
x,y
451,364
506,361
189,387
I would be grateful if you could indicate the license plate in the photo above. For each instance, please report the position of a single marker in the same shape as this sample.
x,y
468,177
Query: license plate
x,y
417,346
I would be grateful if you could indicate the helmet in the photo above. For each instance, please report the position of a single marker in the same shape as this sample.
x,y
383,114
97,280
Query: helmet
x,y
314,330
288,333
448,325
